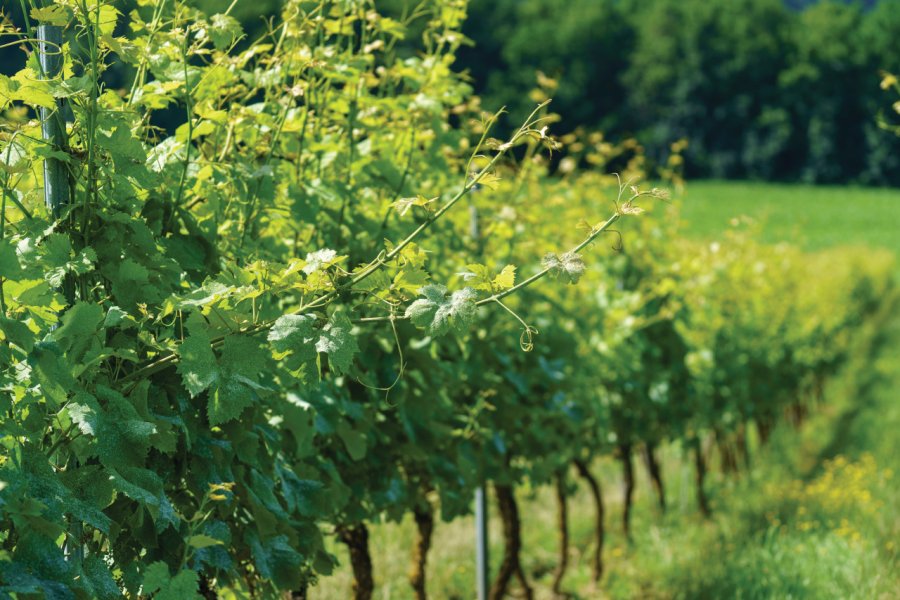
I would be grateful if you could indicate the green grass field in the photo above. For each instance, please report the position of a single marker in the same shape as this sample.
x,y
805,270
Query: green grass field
x,y
817,516
811,216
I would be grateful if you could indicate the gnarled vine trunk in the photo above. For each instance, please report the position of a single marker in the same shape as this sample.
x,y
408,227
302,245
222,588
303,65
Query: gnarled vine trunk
x,y
743,446
424,518
356,537
700,463
512,538
764,429
599,531
628,476
562,524
655,474
726,453
797,413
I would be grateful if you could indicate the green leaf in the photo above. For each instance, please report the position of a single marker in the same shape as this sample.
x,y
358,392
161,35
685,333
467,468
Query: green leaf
x,y
490,181
241,362
569,264
163,587
320,260
354,441
146,487
242,355
156,577
79,328
203,541
9,260
229,400
52,15
276,560
299,420
50,371
17,333
338,342
84,411
114,317
61,260
107,19
305,496
478,277
438,313
224,30
31,90
409,279
198,367
294,333
403,205
98,577
132,272
506,278
14,157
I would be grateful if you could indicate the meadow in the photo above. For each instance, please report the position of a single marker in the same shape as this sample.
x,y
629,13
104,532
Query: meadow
x,y
816,516
811,216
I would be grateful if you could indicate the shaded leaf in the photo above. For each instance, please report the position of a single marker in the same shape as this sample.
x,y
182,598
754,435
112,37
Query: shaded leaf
x,y
198,367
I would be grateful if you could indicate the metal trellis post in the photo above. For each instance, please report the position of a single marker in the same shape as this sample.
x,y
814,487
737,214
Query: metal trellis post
x,y
56,180
482,559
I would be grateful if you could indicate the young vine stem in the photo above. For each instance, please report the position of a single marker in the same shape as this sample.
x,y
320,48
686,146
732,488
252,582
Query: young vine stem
x,y
595,233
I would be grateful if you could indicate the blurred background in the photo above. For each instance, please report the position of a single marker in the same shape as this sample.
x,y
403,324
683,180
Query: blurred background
x,y
777,90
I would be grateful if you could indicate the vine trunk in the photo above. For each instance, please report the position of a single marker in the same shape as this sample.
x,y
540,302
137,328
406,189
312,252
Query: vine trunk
x,y
512,538
599,530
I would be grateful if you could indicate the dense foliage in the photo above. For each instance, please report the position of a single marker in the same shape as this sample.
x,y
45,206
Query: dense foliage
x,y
277,322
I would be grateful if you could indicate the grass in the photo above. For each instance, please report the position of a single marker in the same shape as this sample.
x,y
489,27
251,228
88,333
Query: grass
x,y
818,515
813,217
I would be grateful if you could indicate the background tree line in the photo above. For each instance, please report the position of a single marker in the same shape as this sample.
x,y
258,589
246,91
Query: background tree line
x,y
761,89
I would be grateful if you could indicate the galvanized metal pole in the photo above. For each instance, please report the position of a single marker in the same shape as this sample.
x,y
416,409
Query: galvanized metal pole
x,y
56,180
482,559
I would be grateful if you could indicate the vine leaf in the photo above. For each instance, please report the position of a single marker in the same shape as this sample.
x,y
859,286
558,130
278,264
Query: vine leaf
x,y
18,333
203,541
157,581
52,15
276,560
197,367
440,311
233,379
569,264
404,204
490,181
354,441
506,278
223,30
293,333
230,398
319,260
294,339
9,260
338,343
480,277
